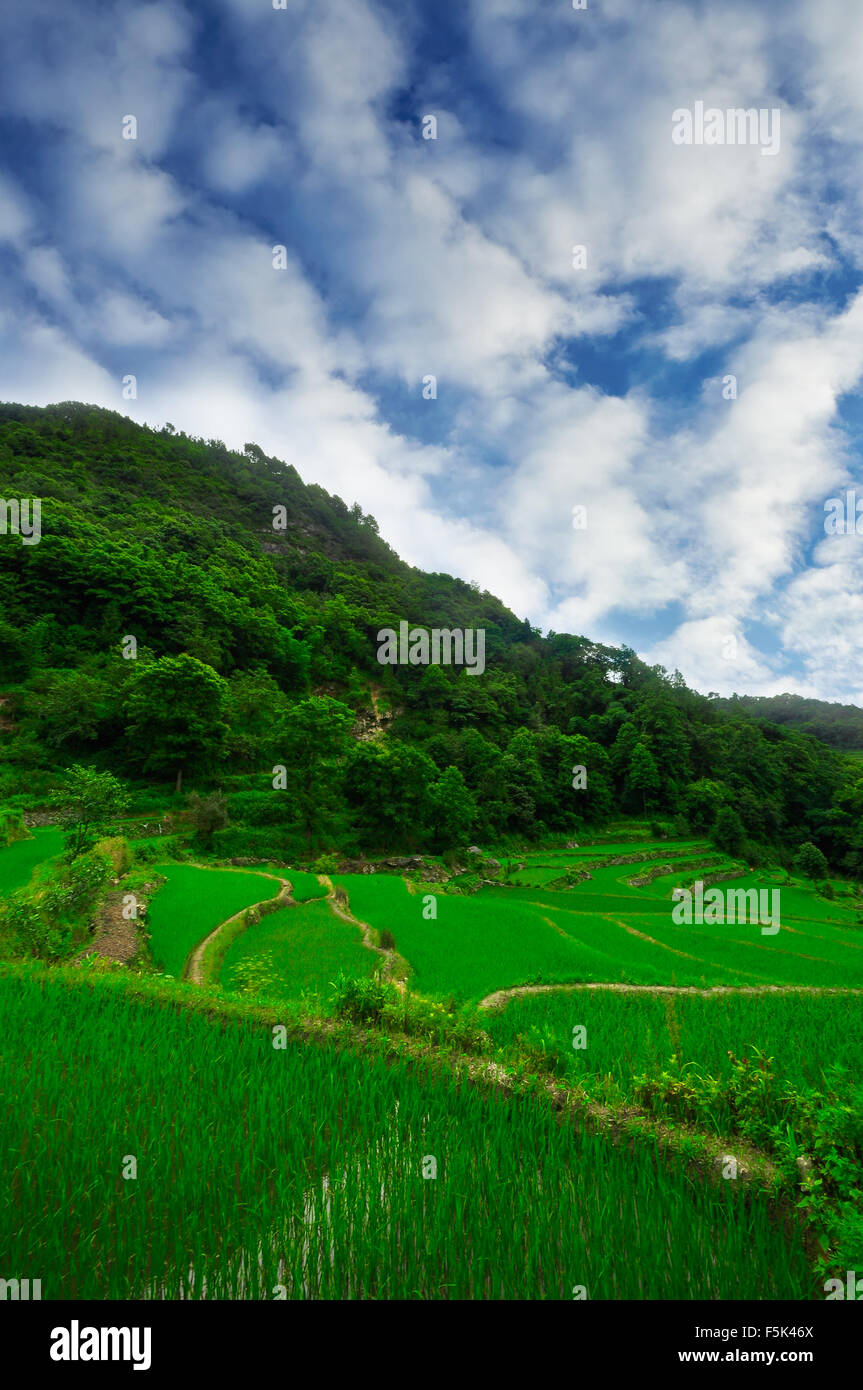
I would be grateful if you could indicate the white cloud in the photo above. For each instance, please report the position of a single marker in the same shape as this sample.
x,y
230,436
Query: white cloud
x,y
454,258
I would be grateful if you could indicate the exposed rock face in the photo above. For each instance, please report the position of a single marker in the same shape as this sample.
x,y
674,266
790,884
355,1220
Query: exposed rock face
x,y
435,873
373,723
398,863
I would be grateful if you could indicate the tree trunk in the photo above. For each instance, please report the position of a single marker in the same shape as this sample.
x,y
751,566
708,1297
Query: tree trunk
x,y
179,786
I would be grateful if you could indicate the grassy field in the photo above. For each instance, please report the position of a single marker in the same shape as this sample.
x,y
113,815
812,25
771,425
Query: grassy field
x,y
294,951
192,902
304,886
18,860
808,1036
475,945
175,1155
603,929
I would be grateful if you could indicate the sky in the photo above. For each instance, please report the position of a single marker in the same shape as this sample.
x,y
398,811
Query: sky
x,y
638,441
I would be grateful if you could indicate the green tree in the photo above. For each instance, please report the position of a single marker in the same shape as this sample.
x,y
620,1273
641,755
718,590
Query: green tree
x,y
702,802
810,862
87,801
642,778
388,787
314,737
175,712
452,809
728,833
521,780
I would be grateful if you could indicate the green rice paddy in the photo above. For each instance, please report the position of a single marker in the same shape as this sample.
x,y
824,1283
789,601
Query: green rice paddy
x,y
192,903
304,886
312,1172
808,1036
18,860
305,1171
295,951
603,929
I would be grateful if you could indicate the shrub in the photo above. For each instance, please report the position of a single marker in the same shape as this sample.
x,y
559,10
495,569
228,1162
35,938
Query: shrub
x,y
360,999
208,814
118,852
12,827
326,864
256,808
43,919
252,842
377,1001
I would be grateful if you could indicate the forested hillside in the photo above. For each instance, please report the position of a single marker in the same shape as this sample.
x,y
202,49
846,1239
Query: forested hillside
x,y
839,725
198,616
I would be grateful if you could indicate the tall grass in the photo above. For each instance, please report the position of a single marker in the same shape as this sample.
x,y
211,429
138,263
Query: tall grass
x,y
263,1171
294,951
193,902
19,859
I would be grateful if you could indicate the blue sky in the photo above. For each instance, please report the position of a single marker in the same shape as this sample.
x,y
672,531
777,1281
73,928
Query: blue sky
x,y
557,387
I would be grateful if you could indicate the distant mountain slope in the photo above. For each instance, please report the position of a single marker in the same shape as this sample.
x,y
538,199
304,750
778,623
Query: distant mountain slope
x,y
163,624
840,726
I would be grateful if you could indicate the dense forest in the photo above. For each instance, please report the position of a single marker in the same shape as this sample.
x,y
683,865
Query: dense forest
x,y
839,725
197,619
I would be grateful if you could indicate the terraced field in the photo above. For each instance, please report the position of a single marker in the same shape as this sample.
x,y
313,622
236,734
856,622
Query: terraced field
x,y
295,951
313,1172
18,860
193,902
604,929
325,1152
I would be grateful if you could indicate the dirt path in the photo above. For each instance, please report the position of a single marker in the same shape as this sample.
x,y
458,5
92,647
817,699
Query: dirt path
x,y
500,996
115,937
335,898
192,972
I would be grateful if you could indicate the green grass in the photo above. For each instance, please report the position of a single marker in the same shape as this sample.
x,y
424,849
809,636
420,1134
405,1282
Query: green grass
x,y
301,1168
628,1034
296,950
192,903
18,860
304,886
476,945
604,930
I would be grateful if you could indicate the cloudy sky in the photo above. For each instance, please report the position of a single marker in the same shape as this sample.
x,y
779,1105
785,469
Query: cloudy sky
x,y
559,385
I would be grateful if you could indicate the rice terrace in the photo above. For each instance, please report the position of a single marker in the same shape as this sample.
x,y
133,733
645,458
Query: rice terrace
x,y
327,978
426,1020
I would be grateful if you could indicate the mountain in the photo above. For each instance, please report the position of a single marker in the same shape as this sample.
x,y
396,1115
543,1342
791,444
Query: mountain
x,y
193,614
840,726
